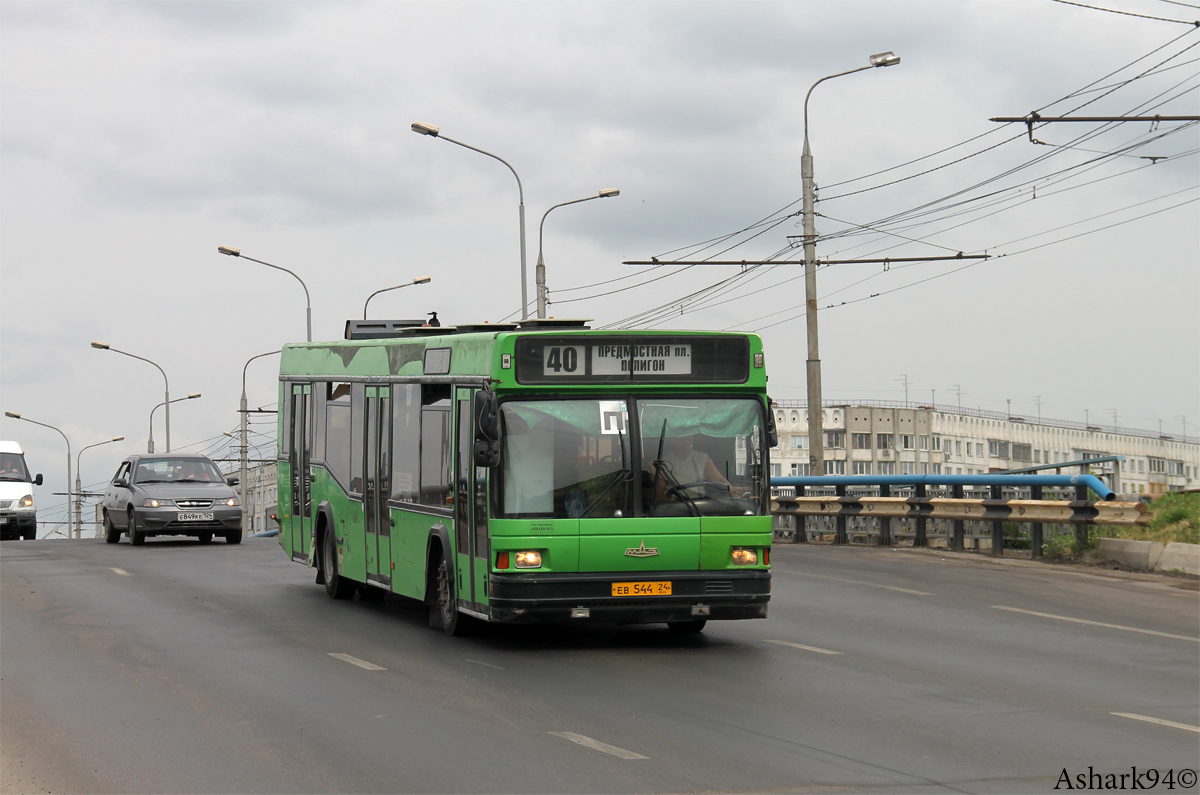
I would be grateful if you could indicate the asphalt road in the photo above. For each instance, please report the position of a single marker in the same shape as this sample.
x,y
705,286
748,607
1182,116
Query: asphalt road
x,y
177,667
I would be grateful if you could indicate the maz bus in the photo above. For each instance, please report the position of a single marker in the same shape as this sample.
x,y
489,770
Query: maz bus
x,y
534,473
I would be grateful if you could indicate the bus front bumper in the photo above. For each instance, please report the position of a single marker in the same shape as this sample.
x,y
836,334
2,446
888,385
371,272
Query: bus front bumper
x,y
695,595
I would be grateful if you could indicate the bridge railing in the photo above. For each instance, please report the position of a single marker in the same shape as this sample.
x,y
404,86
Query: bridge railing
x,y
968,511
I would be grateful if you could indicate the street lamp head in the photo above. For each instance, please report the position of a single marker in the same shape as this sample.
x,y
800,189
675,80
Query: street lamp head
x,y
16,415
885,59
103,346
118,439
229,251
424,129
193,396
422,280
604,194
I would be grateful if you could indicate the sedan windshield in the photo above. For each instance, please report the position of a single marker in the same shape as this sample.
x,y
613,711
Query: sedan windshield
x,y
177,470
576,458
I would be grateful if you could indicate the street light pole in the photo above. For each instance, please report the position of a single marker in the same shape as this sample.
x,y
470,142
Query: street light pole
x,y
418,280
540,278
79,484
431,130
16,415
150,439
235,252
245,431
104,346
816,429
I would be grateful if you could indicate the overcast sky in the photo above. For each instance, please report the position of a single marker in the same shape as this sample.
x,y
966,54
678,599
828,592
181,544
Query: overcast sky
x,y
137,137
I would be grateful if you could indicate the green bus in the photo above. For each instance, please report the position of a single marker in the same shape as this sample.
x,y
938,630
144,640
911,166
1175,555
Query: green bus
x,y
532,472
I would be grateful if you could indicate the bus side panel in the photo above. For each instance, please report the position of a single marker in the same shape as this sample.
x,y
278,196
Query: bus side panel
x,y
347,524
410,542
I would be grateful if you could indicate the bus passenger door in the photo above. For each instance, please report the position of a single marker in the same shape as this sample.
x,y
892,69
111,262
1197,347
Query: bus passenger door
x,y
376,484
301,476
470,510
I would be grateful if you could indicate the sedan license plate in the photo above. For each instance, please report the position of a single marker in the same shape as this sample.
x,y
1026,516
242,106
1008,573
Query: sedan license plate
x,y
195,516
641,589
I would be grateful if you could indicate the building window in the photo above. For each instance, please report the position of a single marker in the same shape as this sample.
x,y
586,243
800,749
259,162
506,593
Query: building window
x,y
1141,466
862,441
1158,466
800,470
835,440
908,468
799,442
925,469
1175,468
979,450
860,468
937,469
1022,452
923,442
906,441
958,449
1037,456
835,467
885,441
937,443
887,467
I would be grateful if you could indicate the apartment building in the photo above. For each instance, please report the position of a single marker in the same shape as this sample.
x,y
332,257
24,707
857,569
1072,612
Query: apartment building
x,y
882,438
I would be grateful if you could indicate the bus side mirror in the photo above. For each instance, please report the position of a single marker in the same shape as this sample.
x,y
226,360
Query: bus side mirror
x,y
487,416
772,432
487,454
37,480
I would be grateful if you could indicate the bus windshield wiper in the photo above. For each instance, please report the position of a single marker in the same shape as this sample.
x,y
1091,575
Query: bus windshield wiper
x,y
623,475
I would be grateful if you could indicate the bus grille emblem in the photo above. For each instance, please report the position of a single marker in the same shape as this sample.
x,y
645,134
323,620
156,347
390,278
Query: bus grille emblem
x,y
642,551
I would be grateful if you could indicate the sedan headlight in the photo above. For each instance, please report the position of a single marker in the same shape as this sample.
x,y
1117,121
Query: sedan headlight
x,y
529,560
232,502
156,503
745,557
25,502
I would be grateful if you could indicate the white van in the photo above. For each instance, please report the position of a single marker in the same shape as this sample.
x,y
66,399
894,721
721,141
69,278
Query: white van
x,y
18,513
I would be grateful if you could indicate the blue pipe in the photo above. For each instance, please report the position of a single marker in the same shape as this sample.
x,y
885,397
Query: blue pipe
x,y
1091,481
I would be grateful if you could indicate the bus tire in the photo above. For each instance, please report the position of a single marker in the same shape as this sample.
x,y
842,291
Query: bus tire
x,y
111,534
205,537
234,536
337,586
136,537
444,613
686,627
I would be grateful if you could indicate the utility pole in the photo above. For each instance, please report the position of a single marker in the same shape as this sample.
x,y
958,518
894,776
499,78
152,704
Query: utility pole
x,y
1115,422
1182,418
1008,410
904,380
1038,400
958,390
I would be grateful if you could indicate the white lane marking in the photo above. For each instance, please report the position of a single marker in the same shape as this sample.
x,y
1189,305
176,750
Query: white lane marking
x,y
1096,623
598,746
871,585
356,661
122,572
489,665
1159,721
817,649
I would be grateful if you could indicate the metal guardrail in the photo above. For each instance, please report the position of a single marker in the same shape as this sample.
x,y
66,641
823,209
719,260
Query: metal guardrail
x,y
957,509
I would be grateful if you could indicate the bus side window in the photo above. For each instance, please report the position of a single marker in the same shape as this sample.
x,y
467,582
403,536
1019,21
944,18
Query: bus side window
x,y
406,441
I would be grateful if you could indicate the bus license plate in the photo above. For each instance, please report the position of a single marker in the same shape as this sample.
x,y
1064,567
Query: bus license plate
x,y
641,589
196,516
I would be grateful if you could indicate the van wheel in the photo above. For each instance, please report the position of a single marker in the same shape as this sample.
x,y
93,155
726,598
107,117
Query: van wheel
x,y
444,612
337,586
111,534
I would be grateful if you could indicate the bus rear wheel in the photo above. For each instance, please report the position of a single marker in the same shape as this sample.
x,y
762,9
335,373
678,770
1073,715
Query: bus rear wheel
x,y
337,586
685,627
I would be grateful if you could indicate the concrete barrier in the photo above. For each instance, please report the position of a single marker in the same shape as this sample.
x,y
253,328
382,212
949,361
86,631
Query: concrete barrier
x,y
1143,555
1180,557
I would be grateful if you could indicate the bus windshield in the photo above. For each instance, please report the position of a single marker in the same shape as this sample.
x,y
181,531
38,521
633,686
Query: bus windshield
x,y
577,458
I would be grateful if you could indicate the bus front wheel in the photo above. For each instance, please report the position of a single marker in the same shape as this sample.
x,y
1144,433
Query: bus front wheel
x,y
337,586
444,613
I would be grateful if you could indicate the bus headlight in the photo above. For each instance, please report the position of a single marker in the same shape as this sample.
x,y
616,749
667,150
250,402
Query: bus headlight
x,y
529,560
744,557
